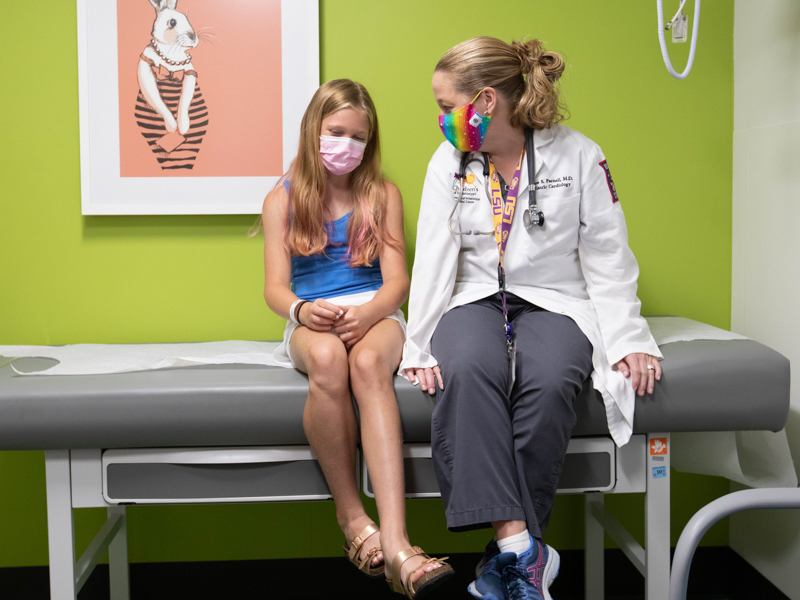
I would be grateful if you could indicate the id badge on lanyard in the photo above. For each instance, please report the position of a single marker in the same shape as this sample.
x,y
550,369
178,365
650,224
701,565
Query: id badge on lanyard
x,y
512,364
503,216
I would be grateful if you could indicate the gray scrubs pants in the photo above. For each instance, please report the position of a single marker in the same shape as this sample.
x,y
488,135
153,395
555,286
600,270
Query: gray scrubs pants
x,y
499,457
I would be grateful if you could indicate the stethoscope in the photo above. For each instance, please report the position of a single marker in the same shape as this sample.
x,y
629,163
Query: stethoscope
x,y
531,216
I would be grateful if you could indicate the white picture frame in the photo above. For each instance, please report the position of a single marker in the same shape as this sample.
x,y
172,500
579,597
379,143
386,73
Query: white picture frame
x,y
105,192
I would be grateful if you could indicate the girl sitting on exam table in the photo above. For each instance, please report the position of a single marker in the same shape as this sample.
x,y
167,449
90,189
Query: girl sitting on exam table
x,y
518,295
334,257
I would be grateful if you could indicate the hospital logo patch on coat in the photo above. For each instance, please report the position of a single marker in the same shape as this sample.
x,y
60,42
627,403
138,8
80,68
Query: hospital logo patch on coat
x,y
611,188
466,189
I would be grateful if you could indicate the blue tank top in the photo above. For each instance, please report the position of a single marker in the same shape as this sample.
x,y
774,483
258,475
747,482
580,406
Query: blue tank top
x,y
329,275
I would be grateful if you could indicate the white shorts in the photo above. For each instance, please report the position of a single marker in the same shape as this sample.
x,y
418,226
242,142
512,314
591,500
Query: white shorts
x,y
281,353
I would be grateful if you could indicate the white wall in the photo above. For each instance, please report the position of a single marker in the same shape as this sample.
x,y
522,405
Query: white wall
x,y
766,239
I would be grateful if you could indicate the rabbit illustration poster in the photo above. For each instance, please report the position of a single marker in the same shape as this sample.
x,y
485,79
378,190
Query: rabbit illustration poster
x,y
199,88
196,110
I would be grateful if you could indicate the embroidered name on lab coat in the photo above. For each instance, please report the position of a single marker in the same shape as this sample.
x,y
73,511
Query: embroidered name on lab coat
x,y
559,182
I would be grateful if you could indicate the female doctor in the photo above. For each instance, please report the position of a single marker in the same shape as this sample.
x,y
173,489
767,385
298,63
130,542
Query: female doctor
x,y
510,313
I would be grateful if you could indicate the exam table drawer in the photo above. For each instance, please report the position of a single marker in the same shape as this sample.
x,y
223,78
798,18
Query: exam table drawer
x,y
592,464
196,475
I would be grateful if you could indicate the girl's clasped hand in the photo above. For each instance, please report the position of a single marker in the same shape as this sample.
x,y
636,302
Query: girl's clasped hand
x,y
350,323
354,322
319,315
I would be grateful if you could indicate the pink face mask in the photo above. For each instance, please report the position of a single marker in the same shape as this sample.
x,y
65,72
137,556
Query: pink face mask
x,y
340,155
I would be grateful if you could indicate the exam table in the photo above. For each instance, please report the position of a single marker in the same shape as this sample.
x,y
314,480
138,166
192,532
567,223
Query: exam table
x,y
233,433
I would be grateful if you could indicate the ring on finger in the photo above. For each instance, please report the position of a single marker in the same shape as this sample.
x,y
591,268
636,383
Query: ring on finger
x,y
651,368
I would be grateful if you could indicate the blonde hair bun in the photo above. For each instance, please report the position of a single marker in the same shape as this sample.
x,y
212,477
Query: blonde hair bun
x,y
532,55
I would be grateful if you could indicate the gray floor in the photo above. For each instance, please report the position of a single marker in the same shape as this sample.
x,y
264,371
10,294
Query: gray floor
x,y
718,574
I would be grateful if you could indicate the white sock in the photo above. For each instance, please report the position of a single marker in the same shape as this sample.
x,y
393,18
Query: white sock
x,y
516,543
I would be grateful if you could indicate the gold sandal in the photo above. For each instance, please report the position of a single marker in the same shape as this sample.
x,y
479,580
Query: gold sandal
x,y
365,564
426,583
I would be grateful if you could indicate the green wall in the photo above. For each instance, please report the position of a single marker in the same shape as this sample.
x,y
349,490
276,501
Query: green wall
x,y
68,278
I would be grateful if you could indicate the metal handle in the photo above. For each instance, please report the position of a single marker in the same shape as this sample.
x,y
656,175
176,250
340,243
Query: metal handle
x,y
713,512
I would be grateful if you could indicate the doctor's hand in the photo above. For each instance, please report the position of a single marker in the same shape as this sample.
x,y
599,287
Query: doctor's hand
x,y
427,378
319,315
353,324
635,367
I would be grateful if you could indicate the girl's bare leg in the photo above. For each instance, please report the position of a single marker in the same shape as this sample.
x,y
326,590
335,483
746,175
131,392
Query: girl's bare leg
x,y
373,361
330,425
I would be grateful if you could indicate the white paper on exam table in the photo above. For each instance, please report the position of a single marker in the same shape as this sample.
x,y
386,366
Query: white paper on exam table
x,y
757,459
667,330
101,359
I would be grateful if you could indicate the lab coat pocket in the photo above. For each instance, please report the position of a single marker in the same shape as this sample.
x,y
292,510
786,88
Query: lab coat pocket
x,y
559,234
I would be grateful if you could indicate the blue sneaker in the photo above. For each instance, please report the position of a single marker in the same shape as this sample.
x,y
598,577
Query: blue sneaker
x,y
491,551
490,585
530,577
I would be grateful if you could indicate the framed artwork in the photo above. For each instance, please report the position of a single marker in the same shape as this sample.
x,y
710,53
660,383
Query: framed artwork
x,y
191,106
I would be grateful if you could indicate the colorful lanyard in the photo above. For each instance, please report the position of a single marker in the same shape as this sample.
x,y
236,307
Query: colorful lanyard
x,y
503,215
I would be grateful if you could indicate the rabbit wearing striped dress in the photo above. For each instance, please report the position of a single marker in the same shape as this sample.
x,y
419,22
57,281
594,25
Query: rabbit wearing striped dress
x,y
170,109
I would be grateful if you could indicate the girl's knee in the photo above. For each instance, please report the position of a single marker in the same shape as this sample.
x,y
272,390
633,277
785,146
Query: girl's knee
x,y
327,364
327,354
368,364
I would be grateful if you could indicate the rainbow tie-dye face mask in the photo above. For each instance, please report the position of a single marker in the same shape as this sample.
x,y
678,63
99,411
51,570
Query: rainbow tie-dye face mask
x,y
465,128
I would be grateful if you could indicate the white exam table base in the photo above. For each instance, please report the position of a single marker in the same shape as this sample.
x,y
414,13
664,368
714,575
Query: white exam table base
x,y
75,480
711,513
66,575
652,561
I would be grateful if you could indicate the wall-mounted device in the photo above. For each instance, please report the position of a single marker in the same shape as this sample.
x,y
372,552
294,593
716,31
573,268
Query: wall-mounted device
x,y
679,25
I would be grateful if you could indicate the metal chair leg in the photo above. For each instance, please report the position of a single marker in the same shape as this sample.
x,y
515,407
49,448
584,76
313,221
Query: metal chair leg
x,y
711,513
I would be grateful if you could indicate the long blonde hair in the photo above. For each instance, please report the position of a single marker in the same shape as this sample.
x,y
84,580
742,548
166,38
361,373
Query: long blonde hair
x,y
522,71
306,233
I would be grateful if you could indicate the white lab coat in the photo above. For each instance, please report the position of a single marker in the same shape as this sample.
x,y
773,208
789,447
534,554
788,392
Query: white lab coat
x,y
579,264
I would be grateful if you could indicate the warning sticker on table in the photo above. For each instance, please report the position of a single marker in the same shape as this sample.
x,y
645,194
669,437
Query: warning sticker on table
x,y
658,446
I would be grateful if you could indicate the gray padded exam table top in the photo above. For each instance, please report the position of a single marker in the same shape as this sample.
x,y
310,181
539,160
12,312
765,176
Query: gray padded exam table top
x,y
707,386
